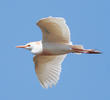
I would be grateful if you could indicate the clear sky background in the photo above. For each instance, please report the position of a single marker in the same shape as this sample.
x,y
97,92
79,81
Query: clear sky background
x,y
83,77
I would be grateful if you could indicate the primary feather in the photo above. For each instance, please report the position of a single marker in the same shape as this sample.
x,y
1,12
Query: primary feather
x,y
48,69
54,29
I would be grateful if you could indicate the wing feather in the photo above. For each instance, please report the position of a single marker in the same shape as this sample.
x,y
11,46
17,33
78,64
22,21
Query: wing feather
x,y
48,69
54,29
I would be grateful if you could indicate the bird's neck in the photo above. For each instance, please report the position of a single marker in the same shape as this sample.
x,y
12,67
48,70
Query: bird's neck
x,y
37,48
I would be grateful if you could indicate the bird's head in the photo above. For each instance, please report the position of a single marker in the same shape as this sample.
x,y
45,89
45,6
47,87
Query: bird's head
x,y
28,46
33,47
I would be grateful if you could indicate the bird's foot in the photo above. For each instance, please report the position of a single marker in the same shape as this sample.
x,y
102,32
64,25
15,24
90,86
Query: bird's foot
x,y
87,51
92,51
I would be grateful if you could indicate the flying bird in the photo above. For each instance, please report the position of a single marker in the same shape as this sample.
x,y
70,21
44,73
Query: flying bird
x,y
50,52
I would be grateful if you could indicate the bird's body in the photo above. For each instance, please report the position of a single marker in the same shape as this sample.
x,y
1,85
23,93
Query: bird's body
x,y
52,49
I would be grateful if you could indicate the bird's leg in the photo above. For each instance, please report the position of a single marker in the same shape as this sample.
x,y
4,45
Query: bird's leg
x,y
87,51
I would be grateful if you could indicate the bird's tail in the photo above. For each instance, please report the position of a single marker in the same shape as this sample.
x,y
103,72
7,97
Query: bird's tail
x,y
78,49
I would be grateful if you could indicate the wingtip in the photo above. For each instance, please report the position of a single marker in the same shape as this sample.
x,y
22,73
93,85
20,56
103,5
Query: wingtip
x,y
49,18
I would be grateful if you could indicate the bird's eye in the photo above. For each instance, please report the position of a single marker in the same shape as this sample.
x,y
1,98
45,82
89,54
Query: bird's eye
x,y
28,45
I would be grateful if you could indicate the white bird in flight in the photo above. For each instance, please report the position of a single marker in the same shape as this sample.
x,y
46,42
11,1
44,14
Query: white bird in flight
x,y
50,52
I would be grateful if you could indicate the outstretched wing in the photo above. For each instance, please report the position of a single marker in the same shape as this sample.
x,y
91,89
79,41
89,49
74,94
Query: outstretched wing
x,y
54,29
48,69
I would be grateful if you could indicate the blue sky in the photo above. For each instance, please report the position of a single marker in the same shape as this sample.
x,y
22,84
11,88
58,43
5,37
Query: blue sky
x,y
83,77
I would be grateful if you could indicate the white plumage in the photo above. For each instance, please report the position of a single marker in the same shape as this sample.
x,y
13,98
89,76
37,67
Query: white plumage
x,y
48,69
54,29
51,51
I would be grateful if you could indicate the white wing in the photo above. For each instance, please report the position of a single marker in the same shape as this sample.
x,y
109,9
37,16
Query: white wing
x,y
54,29
48,69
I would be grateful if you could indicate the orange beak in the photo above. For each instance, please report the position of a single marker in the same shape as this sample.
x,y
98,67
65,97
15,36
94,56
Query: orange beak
x,y
24,46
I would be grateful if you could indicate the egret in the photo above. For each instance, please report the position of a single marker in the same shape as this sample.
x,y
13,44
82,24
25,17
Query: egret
x,y
50,52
